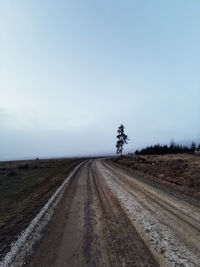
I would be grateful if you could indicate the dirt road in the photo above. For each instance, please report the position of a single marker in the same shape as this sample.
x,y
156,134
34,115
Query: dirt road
x,y
108,218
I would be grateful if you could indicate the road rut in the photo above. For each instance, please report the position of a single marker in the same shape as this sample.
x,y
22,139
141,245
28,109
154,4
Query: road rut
x,y
108,218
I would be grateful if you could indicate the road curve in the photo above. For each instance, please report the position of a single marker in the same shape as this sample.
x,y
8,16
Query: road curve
x,y
109,218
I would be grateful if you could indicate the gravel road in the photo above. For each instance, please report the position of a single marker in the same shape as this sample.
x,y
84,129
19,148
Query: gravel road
x,y
107,217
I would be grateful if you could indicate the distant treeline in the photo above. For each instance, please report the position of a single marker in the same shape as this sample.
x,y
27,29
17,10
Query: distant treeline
x,y
164,149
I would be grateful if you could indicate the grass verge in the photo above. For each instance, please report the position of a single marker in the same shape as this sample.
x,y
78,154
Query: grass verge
x,y
25,186
180,172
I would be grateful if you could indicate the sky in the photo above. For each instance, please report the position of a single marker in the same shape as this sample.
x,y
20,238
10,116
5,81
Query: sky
x,y
72,71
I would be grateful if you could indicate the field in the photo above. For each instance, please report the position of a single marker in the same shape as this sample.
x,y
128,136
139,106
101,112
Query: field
x,y
180,172
25,187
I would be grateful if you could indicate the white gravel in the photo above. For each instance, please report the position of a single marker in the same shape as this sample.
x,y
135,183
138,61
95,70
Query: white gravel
x,y
156,232
23,247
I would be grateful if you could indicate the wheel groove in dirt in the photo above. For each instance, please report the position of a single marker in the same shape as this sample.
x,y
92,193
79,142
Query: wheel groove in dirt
x,y
156,231
125,246
22,248
166,205
93,226
53,235
103,235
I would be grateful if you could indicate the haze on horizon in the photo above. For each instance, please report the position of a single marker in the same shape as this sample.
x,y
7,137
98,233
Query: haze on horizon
x,y
73,71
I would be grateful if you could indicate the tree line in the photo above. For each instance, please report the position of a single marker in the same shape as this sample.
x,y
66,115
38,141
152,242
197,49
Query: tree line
x,y
171,149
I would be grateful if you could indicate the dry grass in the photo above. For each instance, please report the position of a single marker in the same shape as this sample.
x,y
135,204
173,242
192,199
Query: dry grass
x,y
182,171
25,187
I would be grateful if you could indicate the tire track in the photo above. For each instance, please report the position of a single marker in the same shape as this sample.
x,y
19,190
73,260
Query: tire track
x,y
125,246
173,240
91,227
23,247
178,212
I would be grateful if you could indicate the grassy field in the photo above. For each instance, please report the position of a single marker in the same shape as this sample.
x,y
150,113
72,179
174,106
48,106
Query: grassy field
x,y
25,186
178,171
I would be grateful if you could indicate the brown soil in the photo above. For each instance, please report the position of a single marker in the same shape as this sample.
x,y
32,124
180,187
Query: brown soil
x,y
110,217
25,186
180,172
90,228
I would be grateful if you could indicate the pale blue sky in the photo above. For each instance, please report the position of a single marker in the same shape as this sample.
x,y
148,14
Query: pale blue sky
x,y
72,71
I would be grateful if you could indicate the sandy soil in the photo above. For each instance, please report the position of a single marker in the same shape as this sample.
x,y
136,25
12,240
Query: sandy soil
x,y
90,228
107,217
168,223
177,171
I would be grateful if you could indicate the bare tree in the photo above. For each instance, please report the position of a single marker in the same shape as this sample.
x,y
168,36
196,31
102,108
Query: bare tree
x,y
122,139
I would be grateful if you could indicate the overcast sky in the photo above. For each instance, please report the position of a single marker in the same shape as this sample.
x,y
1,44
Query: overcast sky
x,y
72,71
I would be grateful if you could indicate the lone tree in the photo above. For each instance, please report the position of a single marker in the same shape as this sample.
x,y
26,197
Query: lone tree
x,y
122,139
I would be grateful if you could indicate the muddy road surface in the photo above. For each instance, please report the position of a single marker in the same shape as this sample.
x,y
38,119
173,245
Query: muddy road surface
x,y
107,217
